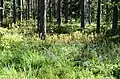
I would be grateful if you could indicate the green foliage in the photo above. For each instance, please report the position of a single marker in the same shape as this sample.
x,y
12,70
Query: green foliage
x,y
63,29
67,53
116,72
76,55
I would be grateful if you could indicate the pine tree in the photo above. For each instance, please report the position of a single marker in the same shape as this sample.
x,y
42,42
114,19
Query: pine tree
x,y
59,12
1,11
115,16
82,14
42,20
14,11
98,15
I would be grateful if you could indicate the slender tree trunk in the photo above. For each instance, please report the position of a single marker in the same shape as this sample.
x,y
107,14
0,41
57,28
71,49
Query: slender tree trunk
x,y
34,9
98,16
82,15
93,15
31,6
102,7
50,12
38,16
20,10
59,13
66,11
107,12
14,11
115,16
28,10
89,15
54,8
1,11
70,12
42,31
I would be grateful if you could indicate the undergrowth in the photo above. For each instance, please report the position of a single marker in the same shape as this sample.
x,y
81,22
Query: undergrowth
x,y
66,55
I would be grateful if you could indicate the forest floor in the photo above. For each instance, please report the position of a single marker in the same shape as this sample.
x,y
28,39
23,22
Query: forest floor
x,y
68,55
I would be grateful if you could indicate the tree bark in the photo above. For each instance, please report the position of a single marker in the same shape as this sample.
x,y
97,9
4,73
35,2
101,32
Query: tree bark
x,y
70,12
115,16
82,15
107,12
1,11
20,10
28,10
98,16
54,8
66,11
14,11
38,16
42,31
89,15
59,13
50,12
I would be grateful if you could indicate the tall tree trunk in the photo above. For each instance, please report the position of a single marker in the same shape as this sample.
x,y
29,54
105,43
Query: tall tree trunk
x,y
98,16
107,12
14,11
66,11
115,16
102,7
38,16
34,9
42,32
59,13
82,15
89,15
1,11
28,10
54,8
50,12
20,10
70,12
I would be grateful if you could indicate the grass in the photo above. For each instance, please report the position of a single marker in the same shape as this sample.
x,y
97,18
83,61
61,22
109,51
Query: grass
x,y
73,55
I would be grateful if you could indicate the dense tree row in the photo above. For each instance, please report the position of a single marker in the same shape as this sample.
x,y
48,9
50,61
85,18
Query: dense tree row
x,y
86,11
